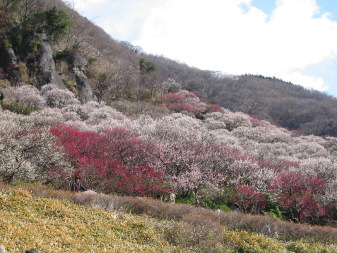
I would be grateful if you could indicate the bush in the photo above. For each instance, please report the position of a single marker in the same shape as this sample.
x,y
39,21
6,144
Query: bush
x,y
212,204
55,23
60,55
56,97
91,60
248,200
5,44
16,107
33,45
186,200
26,96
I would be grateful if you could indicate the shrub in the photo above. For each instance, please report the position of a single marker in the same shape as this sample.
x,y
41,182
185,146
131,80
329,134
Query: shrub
x,y
33,45
16,107
27,96
140,181
91,60
146,66
60,55
170,98
214,108
56,97
5,44
55,23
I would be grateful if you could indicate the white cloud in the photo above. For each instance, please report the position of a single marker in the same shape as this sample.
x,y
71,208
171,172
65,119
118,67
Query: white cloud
x,y
307,81
222,35
231,36
84,5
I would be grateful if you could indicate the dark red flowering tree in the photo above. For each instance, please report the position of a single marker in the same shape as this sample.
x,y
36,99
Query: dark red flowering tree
x,y
170,98
249,200
214,108
297,194
124,146
141,181
183,102
112,161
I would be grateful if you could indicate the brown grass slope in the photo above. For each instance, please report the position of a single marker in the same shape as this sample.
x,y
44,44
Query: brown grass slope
x,y
254,223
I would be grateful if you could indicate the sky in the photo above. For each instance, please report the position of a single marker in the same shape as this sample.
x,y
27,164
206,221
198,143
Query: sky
x,y
294,40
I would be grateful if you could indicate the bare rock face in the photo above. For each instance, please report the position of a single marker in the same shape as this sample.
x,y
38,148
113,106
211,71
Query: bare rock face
x,y
46,66
84,87
9,58
9,62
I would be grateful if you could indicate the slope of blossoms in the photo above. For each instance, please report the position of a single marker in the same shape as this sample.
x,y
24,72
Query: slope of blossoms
x,y
200,151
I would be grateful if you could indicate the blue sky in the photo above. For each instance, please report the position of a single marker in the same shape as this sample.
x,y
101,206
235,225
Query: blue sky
x,y
295,40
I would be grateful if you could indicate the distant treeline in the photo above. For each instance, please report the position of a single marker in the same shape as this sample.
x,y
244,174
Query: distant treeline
x,y
283,103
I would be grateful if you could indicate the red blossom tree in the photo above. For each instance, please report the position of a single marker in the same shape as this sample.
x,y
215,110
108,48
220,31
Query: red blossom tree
x,y
249,200
214,108
183,102
141,181
115,160
124,146
297,195
170,98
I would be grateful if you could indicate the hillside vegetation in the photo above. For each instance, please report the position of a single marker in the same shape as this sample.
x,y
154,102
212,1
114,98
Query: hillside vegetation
x,y
76,103
223,159
50,225
116,71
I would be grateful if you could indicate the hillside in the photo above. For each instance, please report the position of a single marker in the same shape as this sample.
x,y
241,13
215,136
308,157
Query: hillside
x,y
76,103
225,158
95,66
50,225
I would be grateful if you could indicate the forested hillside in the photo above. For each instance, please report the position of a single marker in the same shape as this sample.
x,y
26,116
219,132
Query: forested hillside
x,y
114,72
223,159
76,102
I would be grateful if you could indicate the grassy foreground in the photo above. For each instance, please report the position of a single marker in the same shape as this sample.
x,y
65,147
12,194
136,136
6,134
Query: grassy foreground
x,y
52,225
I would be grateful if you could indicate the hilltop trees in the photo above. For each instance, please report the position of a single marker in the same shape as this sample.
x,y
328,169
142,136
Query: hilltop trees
x,y
31,19
55,23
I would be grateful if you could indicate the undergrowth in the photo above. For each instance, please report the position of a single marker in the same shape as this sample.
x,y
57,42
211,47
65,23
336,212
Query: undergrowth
x,y
50,221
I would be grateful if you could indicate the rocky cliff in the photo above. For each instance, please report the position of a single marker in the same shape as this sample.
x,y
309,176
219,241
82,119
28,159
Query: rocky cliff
x,y
34,63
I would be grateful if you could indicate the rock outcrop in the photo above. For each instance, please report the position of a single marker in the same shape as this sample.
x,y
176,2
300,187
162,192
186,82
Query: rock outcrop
x,y
46,66
41,65
84,87
8,62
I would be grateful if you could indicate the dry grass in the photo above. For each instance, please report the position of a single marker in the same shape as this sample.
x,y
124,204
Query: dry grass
x,y
266,225
51,221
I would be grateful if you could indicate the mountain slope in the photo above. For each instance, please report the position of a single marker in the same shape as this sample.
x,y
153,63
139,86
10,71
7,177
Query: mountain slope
x,y
112,70
50,225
